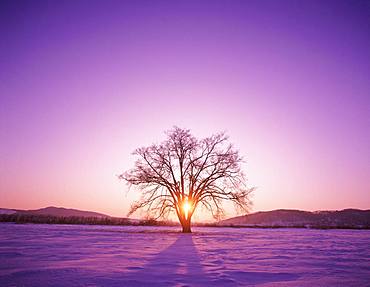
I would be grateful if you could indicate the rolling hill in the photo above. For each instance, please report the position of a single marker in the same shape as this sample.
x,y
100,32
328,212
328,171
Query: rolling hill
x,y
346,218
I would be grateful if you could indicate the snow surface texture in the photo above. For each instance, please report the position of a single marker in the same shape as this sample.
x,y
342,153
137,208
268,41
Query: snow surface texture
x,y
76,255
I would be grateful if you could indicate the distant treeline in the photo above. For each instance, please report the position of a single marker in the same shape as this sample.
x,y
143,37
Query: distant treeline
x,y
50,219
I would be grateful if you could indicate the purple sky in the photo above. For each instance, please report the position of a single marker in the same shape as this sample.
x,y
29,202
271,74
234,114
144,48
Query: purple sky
x,y
83,83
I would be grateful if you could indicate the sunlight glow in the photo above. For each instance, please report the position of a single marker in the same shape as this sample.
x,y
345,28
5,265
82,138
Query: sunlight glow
x,y
186,208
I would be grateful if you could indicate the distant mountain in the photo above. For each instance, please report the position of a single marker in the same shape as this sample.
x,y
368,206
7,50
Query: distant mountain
x,y
296,218
57,211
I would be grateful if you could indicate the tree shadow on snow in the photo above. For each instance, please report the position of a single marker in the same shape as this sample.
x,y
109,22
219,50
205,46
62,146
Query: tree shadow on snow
x,y
177,265
180,265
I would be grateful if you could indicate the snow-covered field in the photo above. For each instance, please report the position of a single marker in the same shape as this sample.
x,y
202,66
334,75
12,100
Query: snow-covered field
x,y
63,255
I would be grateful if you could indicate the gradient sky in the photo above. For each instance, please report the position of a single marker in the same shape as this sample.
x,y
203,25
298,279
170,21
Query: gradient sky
x,y
84,83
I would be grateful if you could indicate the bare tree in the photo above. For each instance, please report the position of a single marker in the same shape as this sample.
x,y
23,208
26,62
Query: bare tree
x,y
182,173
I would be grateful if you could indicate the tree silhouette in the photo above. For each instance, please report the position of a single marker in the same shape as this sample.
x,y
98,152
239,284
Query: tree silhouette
x,y
183,172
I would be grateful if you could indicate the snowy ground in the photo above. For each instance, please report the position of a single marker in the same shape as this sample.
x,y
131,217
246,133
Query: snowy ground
x,y
63,255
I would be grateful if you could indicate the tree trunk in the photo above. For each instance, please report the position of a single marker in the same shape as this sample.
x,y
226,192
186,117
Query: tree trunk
x,y
186,228
186,225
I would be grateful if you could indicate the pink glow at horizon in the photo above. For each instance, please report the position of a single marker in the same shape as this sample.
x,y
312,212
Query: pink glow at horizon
x,y
85,83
